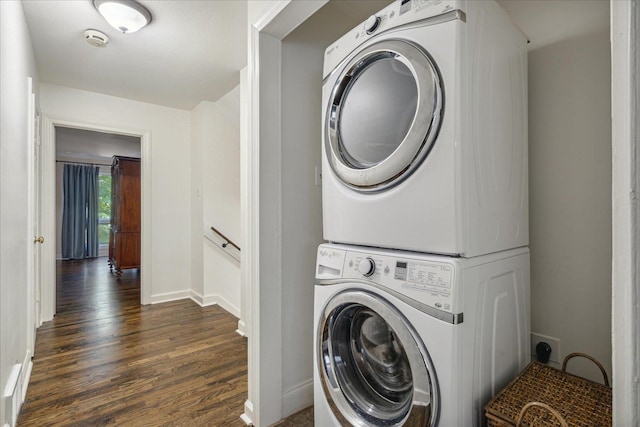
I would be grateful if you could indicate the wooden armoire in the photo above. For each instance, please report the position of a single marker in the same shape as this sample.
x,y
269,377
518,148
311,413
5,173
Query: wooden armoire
x,y
124,236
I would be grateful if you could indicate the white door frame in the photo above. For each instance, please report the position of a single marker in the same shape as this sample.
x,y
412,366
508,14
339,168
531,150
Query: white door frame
x,y
625,99
262,261
33,176
48,303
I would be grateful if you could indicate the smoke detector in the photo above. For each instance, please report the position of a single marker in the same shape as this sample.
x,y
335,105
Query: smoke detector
x,y
96,38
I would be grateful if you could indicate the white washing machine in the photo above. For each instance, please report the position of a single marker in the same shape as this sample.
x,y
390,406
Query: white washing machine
x,y
403,338
425,130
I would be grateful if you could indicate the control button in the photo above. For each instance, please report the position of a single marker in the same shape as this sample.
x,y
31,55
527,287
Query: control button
x,y
371,24
366,267
386,270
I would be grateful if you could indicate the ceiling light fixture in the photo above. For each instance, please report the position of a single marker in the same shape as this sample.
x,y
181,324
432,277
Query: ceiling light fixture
x,y
127,16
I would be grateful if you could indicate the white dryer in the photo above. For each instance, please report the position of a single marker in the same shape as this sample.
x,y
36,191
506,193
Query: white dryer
x,y
424,128
410,339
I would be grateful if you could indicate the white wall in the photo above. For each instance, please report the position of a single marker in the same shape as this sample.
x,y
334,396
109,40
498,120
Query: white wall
x,y
303,49
16,64
170,133
221,191
215,171
570,196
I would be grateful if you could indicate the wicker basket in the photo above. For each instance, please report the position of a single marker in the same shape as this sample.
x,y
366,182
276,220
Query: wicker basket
x,y
543,396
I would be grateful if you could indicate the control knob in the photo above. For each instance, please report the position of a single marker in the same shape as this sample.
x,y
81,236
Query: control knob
x,y
366,267
371,24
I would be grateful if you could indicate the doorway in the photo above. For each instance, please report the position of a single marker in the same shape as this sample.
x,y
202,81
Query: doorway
x,y
83,167
72,136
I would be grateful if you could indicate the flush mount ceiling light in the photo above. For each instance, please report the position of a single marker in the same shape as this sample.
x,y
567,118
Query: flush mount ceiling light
x,y
127,16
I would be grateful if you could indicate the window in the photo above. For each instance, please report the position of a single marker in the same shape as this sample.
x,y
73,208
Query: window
x,y
104,208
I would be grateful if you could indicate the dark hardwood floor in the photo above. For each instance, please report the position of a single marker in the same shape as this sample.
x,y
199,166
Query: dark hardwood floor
x,y
107,360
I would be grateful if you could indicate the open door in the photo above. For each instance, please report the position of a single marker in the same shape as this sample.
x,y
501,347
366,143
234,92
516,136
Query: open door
x,y
37,219
34,221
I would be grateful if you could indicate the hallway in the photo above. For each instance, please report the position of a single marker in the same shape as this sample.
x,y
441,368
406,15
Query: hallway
x,y
107,360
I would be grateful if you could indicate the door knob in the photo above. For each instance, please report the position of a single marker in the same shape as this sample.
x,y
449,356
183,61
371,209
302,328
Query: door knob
x,y
39,240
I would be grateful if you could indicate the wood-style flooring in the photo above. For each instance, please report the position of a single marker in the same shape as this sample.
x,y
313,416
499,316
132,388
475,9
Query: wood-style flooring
x,y
107,360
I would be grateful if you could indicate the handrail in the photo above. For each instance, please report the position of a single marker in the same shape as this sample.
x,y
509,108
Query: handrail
x,y
228,241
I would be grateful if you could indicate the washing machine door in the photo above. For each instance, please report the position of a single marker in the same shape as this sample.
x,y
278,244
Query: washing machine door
x,y
383,115
375,369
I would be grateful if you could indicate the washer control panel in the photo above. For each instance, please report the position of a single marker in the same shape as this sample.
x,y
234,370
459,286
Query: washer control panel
x,y
427,279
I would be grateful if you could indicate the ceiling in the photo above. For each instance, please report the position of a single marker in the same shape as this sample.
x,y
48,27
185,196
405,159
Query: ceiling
x,y
82,145
545,22
193,49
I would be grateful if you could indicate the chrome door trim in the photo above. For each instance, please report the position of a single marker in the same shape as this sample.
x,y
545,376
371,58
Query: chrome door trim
x,y
422,133
425,406
445,316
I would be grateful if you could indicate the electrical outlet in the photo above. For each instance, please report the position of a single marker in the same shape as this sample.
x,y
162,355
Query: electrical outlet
x,y
553,342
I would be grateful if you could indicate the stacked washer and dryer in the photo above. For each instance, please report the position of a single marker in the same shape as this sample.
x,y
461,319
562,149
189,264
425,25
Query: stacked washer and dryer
x,y
422,296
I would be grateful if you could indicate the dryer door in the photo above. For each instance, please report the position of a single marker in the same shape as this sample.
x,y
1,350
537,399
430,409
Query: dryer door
x,y
383,116
375,370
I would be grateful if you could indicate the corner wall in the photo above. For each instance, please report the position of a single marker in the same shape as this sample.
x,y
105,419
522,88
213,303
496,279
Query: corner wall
x,y
283,221
570,196
221,205
215,192
301,210
16,65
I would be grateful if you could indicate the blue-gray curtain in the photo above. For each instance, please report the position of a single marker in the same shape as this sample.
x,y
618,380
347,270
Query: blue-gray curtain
x,y
80,211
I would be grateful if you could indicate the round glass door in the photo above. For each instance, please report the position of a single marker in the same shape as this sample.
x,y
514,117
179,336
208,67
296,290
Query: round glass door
x,y
374,368
383,115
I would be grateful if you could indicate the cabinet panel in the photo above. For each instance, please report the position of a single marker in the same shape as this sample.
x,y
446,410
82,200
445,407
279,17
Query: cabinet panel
x,y
129,196
127,248
124,237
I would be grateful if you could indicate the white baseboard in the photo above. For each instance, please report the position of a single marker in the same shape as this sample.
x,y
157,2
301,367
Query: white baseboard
x,y
248,415
170,296
196,297
13,395
26,375
242,328
222,302
246,419
215,299
297,398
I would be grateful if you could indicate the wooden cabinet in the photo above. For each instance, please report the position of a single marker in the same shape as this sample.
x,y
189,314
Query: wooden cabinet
x,y
124,236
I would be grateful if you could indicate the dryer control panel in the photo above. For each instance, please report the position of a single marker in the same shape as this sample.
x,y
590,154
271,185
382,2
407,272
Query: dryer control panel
x,y
395,15
426,279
